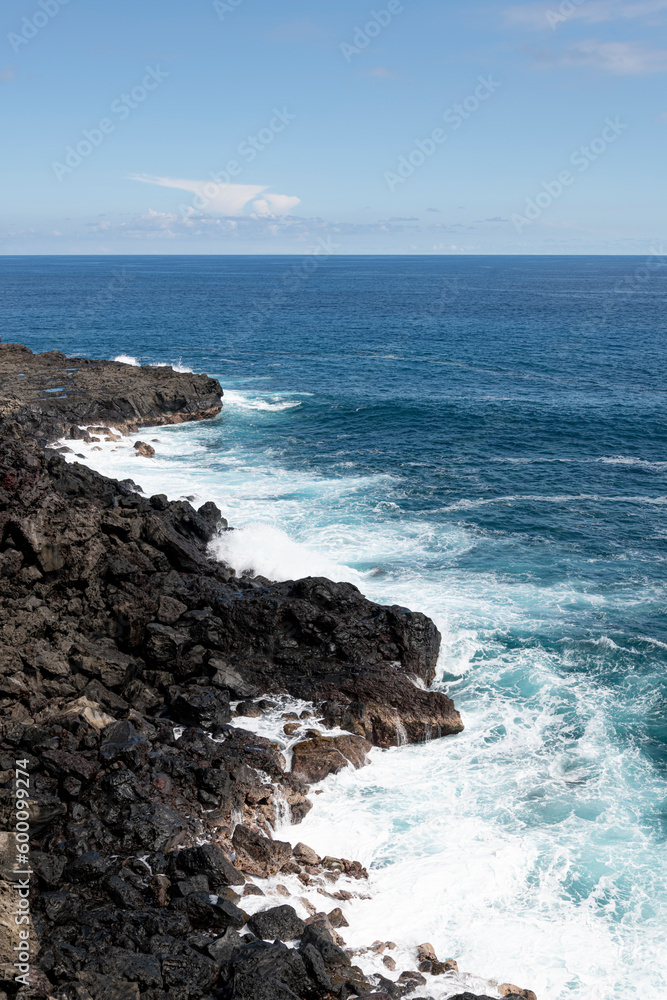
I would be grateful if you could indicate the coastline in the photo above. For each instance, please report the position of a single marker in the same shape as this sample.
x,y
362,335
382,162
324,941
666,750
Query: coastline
x,y
163,617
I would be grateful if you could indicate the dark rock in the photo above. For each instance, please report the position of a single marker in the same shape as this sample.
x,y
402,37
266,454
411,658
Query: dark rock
x,y
208,860
120,741
200,706
471,996
212,912
322,940
279,923
122,893
158,827
269,972
225,947
90,867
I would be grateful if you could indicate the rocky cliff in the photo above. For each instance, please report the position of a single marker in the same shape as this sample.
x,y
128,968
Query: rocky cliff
x,y
127,653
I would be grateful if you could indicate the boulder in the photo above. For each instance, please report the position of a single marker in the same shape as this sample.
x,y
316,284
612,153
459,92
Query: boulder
x,y
279,923
306,855
90,867
209,860
144,449
319,756
257,855
199,706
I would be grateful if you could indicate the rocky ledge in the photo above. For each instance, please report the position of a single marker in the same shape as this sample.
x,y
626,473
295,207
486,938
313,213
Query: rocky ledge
x,y
128,658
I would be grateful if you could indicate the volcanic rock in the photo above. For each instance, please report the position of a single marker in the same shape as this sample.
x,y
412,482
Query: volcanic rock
x,y
319,756
279,923
257,855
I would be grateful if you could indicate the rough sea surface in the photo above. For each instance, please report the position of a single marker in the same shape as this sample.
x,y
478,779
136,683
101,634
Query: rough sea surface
x,y
482,439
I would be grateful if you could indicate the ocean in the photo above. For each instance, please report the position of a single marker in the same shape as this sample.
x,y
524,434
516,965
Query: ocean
x,y
482,439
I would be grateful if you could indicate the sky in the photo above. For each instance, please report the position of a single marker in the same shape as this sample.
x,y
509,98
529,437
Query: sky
x,y
404,127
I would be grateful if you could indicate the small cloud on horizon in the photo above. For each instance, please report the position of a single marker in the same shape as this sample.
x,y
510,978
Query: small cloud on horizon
x,y
226,199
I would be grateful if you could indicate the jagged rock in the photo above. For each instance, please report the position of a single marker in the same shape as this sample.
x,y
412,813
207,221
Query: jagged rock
x,y
279,923
199,706
206,910
209,860
257,855
90,867
321,939
507,990
319,756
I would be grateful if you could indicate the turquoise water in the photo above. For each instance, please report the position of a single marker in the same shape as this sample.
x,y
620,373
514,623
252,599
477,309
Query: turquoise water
x,y
482,439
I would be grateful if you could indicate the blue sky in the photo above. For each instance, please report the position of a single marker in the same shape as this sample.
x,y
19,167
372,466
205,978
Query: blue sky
x,y
250,126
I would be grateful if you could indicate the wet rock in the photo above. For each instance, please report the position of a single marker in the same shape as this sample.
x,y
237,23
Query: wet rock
x,y
507,990
209,860
257,855
426,953
249,709
157,827
90,867
321,939
306,855
319,756
225,676
279,923
144,449
200,706
212,912
121,742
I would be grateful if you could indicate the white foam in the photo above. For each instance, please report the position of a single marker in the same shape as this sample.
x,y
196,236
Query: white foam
x,y
265,550
127,359
268,402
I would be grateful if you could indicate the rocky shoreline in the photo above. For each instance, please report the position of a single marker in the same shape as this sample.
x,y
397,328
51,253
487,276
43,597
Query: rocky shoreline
x,y
129,660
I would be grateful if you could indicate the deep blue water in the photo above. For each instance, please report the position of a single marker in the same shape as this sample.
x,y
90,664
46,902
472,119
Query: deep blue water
x,y
481,438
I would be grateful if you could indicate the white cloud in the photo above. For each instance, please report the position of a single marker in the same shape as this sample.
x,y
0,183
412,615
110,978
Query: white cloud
x,y
275,204
622,58
536,15
224,199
